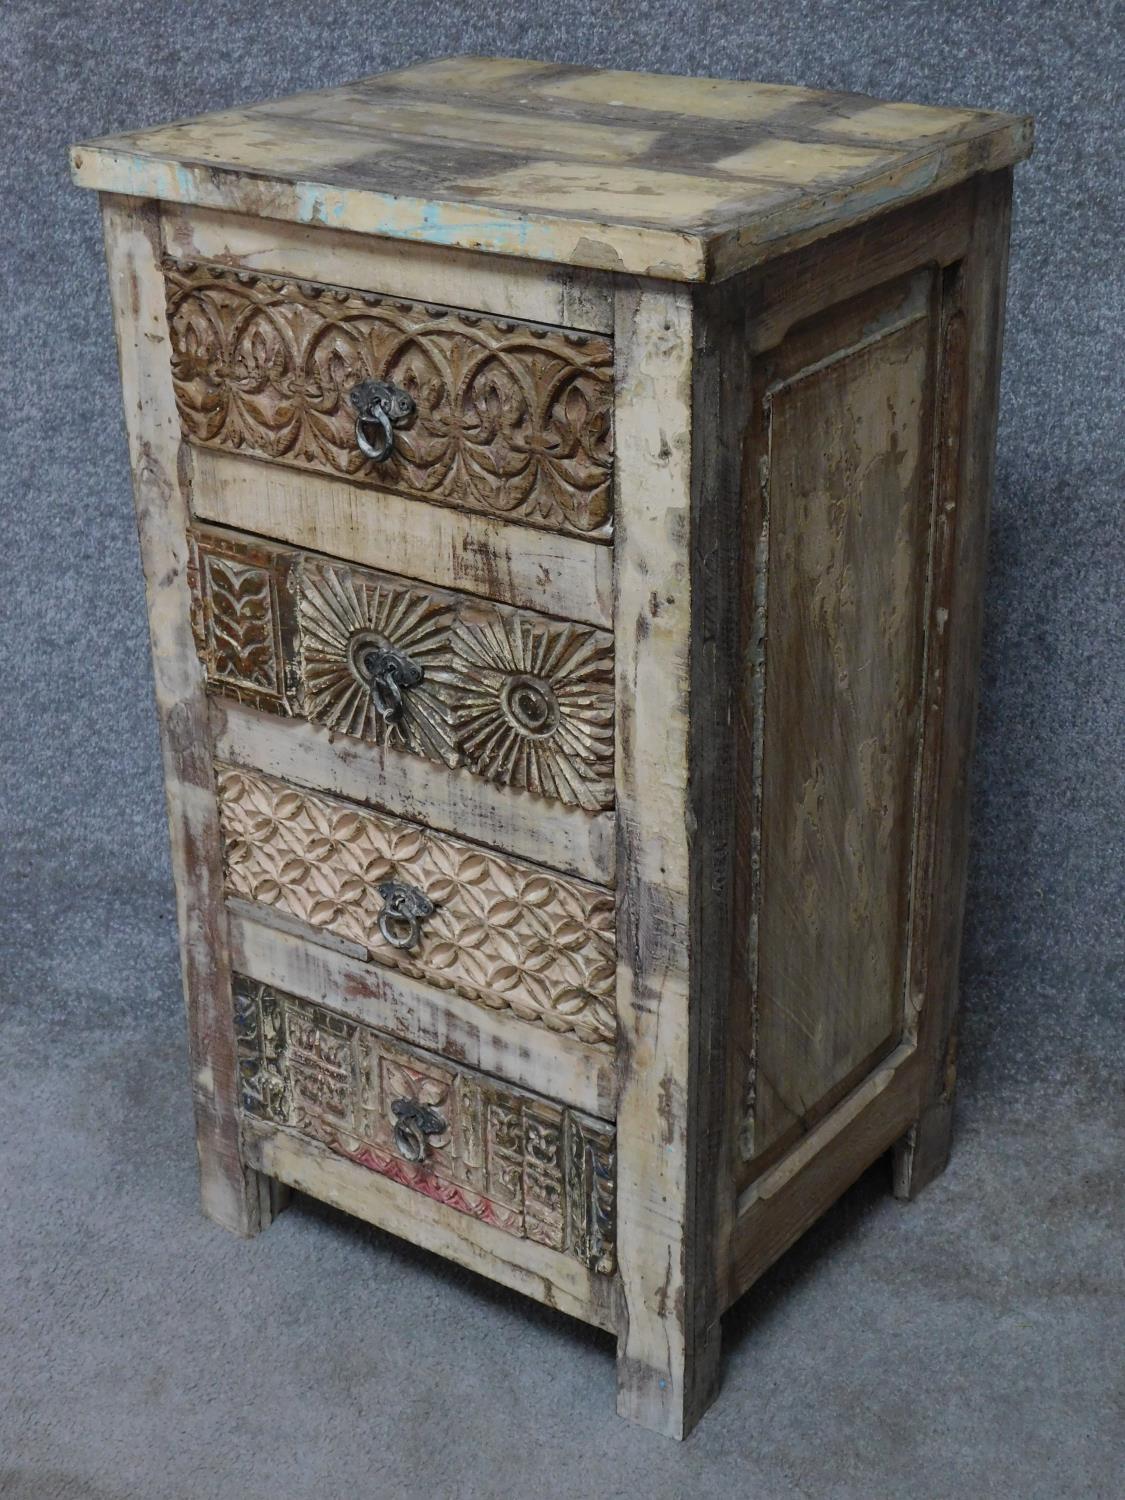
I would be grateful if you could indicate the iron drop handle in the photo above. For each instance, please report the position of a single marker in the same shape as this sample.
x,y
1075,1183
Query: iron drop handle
x,y
388,673
403,908
414,1124
380,407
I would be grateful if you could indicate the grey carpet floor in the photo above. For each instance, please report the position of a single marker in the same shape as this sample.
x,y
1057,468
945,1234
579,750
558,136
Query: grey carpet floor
x,y
969,1345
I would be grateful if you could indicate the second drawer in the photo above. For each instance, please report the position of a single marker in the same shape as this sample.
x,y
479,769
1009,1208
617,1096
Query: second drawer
x,y
519,698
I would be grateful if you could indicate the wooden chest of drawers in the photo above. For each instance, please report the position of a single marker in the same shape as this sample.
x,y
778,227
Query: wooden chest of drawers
x,y
562,498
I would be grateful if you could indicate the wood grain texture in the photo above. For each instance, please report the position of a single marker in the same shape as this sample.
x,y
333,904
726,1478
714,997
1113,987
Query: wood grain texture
x,y
516,698
508,419
551,1063
848,523
777,1208
564,296
454,801
537,1271
548,571
669,989
972,339
235,1196
683,179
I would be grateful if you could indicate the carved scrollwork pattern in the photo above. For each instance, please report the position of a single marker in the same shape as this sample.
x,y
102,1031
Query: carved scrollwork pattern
x,y
522,1164
503,934
511,419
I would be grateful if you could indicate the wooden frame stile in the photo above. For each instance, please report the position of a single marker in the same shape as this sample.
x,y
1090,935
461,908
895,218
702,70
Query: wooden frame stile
x,y
234,1195
679,398
971,339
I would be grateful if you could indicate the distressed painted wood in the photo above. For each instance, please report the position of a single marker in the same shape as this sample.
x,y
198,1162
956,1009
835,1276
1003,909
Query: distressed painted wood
x,y
560,296
845,580
234,1194
509,419
336,973
691,963
516,698
971,335
549,571
560,1281
678,178
454,801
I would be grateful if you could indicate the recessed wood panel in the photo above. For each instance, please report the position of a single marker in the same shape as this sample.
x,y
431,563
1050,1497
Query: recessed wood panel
x,y
842,578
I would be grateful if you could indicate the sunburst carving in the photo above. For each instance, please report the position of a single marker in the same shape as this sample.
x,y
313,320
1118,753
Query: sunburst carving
x,y
534,707
345,617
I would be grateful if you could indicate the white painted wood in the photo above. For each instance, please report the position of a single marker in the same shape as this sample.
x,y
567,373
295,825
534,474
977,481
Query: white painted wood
x,y
552,1064
566,297
550,833
550,1277
555,574
667,1357
239,1199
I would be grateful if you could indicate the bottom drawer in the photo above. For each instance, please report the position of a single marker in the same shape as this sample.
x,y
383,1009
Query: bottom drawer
x,y
508,1158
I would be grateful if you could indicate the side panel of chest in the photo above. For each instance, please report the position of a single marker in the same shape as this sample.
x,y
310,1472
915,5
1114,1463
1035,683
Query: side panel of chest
x,y
844,576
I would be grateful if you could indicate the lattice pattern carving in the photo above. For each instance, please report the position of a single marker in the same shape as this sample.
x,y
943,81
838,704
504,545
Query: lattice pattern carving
x,y
521,1163
504,934
511,419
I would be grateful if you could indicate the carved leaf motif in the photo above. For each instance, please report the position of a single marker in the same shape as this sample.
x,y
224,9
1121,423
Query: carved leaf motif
x,y
242,619
510,419
543,961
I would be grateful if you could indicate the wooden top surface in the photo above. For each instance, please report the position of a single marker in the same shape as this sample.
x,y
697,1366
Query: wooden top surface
x,y
684,178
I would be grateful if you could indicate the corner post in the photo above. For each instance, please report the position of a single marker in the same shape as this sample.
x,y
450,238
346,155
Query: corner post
x,y
234,1196
969,384
674,740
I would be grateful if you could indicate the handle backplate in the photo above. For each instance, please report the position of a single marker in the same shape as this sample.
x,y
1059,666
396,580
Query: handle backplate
x,y
380,407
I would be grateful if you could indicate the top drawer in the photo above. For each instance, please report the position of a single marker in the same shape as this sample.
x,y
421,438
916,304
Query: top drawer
x,y
510,419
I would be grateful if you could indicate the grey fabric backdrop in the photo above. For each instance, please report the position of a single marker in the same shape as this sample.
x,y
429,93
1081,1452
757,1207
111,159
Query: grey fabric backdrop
x,y
967,1345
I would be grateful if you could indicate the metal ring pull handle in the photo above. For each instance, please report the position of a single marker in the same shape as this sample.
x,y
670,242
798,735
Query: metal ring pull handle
x,y
380,406
403,908
414,1124
388,673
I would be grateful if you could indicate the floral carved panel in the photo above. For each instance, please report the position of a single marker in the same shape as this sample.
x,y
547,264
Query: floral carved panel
x,y
521,1163
510,418
502,933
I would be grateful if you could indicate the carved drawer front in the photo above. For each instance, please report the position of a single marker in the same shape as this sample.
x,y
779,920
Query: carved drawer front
x,y
511,1159
499,932
516,697
507,418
